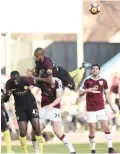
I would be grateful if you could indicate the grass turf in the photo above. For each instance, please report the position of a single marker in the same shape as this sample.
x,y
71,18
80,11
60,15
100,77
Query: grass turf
x,y
60,148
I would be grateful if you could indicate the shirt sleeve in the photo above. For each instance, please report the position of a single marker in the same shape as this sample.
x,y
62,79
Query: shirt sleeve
x,y
105,86
49,65
60,86
36,69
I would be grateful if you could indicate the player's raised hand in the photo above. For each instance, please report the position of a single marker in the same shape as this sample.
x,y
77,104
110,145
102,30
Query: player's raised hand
x,y
30,72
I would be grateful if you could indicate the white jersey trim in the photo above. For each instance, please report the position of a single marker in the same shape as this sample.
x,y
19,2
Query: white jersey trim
x,y
60,86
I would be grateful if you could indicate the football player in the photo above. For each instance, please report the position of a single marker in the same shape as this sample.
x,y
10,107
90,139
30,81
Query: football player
x,y
94,87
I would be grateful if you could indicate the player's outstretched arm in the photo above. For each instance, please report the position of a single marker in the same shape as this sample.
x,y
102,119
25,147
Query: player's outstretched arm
x,y
47,80
31,73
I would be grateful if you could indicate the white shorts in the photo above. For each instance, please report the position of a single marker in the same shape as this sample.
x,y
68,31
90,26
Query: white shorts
x,y
94,116
52,114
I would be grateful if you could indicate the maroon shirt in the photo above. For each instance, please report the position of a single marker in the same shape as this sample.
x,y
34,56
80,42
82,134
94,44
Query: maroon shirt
x,y
45,65
95,101
46,100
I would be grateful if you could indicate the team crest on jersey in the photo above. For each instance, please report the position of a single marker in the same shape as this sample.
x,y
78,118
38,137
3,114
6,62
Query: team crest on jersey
x,y
95,87
101,83
25,87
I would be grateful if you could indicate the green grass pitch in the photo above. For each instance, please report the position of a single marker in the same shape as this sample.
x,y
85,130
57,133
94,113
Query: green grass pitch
x,y
60,148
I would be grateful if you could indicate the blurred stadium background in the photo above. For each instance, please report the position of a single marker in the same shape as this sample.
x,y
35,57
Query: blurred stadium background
x,y
97,41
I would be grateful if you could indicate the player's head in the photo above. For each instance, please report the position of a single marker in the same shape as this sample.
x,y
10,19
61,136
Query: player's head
x,y
15,77
39,54
95,69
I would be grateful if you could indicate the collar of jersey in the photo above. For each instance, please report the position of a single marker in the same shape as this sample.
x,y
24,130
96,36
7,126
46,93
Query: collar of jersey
x,y
95,79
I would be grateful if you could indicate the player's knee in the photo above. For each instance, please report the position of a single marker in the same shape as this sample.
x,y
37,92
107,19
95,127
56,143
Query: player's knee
x,y
37,131
106,129
33,135
92,132
22,134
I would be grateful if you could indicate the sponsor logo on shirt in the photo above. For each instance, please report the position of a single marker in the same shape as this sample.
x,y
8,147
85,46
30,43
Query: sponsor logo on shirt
x,y
95,87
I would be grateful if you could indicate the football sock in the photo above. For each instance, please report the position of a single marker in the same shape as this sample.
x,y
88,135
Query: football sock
x,y
35,146
92,142
23,143
7,139
40,144
67,143
108,139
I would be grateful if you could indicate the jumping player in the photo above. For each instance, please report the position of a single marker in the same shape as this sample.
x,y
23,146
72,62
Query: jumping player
x,y
50,110
94,87
25,106
44,64
4,126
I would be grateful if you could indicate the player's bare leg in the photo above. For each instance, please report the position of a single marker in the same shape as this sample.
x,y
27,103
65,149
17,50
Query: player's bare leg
x,y
23,131
34,143
57,128
92,127
106,129
37,132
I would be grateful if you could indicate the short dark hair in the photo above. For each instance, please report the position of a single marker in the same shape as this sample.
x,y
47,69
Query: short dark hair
x,y
95,65
37,50
14,74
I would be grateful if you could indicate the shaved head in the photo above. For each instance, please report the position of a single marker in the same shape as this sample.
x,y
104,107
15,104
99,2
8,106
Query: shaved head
x,y
38,51
39,54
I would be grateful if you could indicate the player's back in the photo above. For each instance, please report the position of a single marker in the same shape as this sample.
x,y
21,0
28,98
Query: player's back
x,y
47,99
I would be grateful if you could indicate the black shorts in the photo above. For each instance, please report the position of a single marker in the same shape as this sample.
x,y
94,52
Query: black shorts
x,y
28,111
3,122
66,78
